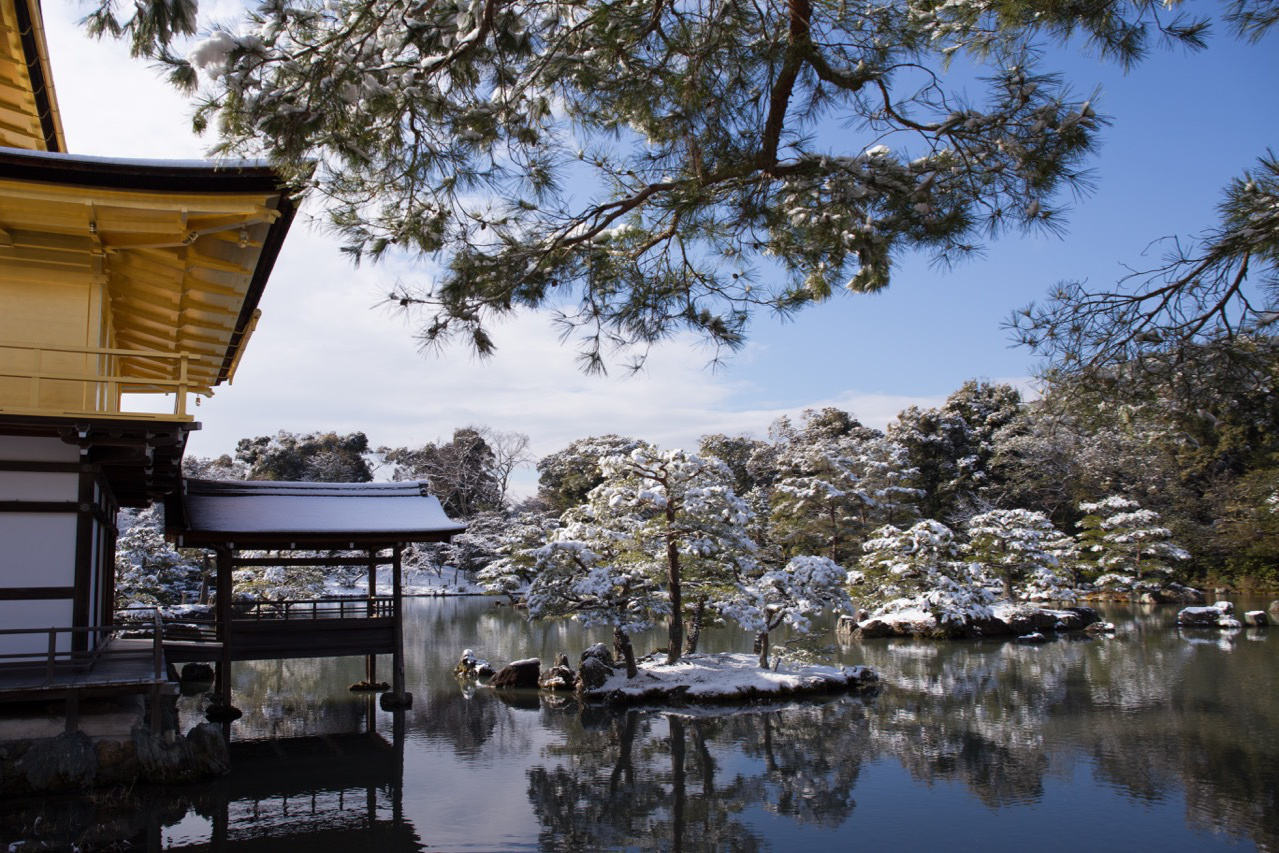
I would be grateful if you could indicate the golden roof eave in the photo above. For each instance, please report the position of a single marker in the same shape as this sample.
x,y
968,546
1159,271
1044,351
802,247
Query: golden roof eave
x,y
26,80
211,234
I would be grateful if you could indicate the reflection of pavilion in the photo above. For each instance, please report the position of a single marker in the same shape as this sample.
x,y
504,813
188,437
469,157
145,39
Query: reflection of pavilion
x,y
326,792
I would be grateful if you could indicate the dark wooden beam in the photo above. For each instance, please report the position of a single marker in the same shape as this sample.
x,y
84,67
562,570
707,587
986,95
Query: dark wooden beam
x,y
36,593
309,561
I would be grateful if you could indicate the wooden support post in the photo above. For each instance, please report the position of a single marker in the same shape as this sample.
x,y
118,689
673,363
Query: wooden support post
x,y
223,709
398,698
73,711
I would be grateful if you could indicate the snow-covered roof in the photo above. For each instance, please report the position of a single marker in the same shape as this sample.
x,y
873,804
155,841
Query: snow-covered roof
x,y
257,513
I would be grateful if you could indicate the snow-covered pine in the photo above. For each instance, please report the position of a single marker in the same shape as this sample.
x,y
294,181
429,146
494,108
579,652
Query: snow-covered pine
x,y
792,595
922,570
1020,548
148,569
1126,544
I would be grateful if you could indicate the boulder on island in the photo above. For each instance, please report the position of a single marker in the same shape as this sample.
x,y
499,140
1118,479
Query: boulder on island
x,y
1217,616
593,672
1256,619
518,674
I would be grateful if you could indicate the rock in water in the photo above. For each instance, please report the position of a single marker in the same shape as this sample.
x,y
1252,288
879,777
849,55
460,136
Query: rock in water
x,y
1256,619
519,674
593,673
600,652
471,666
559,678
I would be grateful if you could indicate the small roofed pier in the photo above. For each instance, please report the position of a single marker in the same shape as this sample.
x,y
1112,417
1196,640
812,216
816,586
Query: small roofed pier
x,y
368,523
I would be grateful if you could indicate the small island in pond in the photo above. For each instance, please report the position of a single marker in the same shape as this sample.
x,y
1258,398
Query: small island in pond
x,y
710,678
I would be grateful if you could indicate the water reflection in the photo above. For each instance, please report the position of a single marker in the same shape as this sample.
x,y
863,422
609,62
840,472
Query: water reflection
x,y
1155,738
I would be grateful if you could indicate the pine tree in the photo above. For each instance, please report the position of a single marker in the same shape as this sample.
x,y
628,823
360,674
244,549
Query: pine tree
x,y
1125,542
1017,546
451,131
922,569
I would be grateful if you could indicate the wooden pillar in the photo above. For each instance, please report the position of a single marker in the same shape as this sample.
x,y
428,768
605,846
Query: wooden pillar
x,y
81,605
397,599
225,631
398,698
370,661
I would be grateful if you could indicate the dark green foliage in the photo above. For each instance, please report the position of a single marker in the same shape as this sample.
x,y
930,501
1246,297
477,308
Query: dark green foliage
x,y
462,472
319,457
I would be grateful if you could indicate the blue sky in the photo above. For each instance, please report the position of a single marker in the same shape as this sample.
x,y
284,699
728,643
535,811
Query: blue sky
x,y
325,357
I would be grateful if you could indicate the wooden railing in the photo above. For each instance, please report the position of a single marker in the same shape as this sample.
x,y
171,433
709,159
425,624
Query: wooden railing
x,y
317,608
51,667
102,387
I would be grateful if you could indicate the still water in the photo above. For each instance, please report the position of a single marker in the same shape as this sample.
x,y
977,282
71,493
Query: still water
x,y
1150,740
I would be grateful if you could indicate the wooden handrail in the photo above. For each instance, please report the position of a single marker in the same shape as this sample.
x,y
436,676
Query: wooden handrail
x,y
109,380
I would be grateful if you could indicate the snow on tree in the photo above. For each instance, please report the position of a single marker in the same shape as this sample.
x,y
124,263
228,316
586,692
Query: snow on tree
x,y
463,473
922,570
818,502
214,468
1126,543
149,570
952,446
591,572
512,572
450,131
683,521
792,594
566,477
1020,547
887,478
319,457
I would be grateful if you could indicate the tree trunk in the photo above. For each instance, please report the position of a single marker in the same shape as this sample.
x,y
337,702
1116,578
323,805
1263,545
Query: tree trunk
x,y
675,630
695,628
762,642
622,645
1008,587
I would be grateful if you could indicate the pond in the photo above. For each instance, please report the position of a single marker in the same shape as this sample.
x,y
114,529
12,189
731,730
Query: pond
x,y
1151,739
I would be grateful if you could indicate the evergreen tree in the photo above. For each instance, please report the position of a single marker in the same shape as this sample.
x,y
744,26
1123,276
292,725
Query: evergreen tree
x,y
451,131
952,447
922,569
680,522
148,569
567,476
1020,548
318,457
1125,542
766,598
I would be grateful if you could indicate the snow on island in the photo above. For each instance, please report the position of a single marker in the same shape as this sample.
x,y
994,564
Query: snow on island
x,y
707,678
727,677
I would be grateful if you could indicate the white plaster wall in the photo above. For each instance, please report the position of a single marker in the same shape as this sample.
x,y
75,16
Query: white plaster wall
x,y
19,448
38,486
37,549
41,614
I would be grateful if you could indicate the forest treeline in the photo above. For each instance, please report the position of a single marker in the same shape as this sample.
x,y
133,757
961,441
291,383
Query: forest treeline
x,y
1206,464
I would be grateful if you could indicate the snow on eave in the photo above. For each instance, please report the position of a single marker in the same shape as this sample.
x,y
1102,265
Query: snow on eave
x,y
284,511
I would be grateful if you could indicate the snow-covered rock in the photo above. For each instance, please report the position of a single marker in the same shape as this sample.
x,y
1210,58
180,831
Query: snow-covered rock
x,y
1256,619
1004,619
1216,616
518,674
471,666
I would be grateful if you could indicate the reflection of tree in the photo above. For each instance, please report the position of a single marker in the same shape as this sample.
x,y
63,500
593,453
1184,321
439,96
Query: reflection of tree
x,y
622,784
812,755
1158,712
